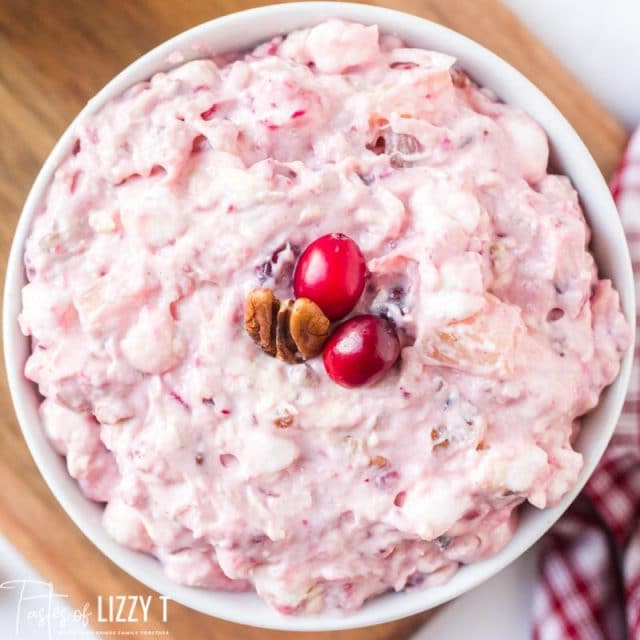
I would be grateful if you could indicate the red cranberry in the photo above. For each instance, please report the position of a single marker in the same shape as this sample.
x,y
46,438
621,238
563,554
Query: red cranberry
x,y
361,351
331,272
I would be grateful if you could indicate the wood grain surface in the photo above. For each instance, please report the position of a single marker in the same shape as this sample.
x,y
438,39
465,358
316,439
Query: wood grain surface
x,y
54,55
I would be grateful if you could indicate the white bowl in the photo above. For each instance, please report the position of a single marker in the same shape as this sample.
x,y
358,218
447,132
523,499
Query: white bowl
x,y
240,31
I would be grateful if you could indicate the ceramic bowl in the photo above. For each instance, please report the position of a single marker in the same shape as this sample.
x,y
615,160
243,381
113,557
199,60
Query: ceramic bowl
x,y
241,31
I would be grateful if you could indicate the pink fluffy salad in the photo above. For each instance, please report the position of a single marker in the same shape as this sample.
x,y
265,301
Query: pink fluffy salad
x,y
239,471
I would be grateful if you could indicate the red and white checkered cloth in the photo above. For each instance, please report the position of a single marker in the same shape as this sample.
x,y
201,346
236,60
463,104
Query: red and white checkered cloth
x,y
589,586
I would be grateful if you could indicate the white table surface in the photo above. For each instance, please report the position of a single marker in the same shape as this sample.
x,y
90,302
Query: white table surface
x,y
599,41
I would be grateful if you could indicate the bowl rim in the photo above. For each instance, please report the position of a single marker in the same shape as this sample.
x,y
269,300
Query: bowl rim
x,y
305,14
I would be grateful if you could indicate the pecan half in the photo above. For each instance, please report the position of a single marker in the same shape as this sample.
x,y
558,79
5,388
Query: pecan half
x,y
292,331
286,348
309,327
260,312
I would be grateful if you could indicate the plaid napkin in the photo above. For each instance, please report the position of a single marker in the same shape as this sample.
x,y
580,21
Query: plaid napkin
x,y
589,586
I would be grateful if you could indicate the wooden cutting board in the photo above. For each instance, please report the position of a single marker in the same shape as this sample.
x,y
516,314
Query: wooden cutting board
x,y
53,57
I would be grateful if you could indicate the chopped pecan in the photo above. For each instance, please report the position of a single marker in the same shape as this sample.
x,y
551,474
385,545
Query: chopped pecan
x,y
284,421
396,145
379,461
459,78
438,441
291,331
260,312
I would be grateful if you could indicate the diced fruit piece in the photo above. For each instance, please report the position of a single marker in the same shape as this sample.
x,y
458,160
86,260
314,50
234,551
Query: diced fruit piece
x,y
331,272
109,302
482,344
361,351
151,344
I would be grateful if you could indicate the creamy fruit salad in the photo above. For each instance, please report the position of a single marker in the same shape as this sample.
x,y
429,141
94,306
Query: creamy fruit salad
x,y
426,381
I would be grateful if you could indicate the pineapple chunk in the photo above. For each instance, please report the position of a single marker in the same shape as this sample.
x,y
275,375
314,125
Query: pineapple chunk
x,y
484,344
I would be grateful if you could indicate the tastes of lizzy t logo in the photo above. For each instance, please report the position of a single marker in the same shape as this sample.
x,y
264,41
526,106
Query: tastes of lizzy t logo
x,y
39,608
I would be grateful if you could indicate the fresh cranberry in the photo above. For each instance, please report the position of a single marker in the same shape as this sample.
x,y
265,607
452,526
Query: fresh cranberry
x,y
361,351
331,272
